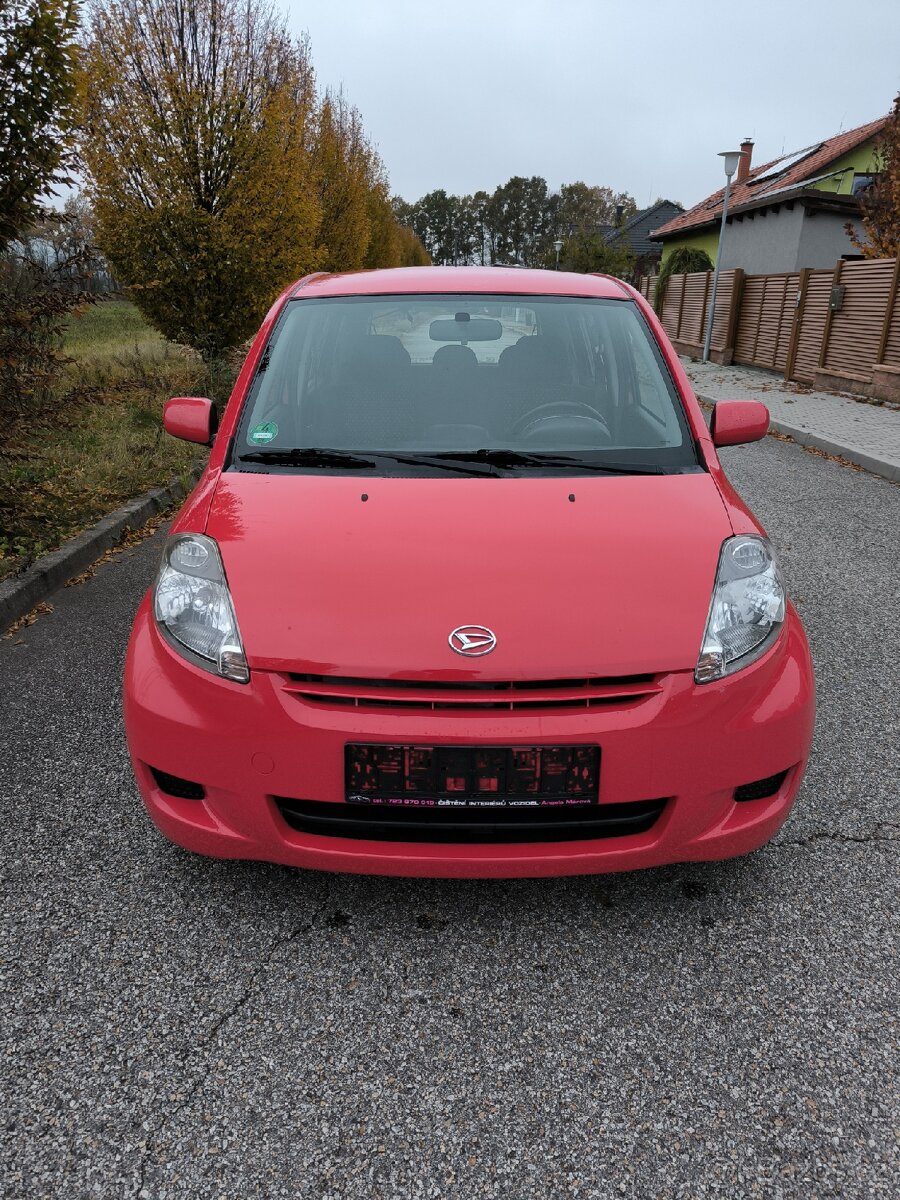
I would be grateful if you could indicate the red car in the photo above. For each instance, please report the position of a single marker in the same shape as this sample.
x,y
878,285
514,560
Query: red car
x,y
464,591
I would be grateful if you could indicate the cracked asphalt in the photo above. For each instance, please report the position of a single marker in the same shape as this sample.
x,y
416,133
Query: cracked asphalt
x,y
175,1027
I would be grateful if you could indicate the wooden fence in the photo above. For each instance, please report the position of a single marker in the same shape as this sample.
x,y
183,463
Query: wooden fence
x,y
686,310
837,329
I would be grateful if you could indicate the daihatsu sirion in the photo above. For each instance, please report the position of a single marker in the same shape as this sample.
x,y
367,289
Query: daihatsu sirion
x,y
464,591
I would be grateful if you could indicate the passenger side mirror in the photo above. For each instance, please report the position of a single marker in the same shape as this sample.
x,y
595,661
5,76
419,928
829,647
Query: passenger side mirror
x,y
192,418
735,422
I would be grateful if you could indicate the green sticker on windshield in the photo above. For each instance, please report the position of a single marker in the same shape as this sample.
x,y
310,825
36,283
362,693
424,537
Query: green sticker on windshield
x,y
260,435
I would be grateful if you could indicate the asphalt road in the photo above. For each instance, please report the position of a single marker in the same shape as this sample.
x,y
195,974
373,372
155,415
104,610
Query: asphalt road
x,y
177,1027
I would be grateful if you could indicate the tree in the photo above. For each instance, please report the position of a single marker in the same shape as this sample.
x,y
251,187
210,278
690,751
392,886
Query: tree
x,y
880,203
410,250
522,216
67,244
49,271
587,252
199,142
517,223
584,209
432,221
345,165
402,210
683,261
485,241
383,249
37,106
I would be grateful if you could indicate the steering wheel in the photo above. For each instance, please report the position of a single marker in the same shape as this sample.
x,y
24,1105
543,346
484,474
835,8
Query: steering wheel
x,y
557,408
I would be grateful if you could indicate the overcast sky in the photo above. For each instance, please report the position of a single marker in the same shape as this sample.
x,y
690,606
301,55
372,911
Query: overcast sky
x,y
638,95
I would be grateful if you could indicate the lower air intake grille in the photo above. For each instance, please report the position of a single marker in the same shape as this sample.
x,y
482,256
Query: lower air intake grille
x,y
172,785
467,825
761,788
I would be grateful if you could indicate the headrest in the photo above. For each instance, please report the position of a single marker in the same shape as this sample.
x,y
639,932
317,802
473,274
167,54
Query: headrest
x,y
532,353
454,358
375,351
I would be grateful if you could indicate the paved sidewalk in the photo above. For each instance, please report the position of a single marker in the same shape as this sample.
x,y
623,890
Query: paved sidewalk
x,y
865,434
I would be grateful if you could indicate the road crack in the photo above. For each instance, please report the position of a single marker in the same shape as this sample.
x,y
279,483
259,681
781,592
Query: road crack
x,y
879,836
140,1191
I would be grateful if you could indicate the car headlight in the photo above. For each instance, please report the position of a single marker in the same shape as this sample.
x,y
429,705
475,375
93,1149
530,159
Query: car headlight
x,y
747,608
193,608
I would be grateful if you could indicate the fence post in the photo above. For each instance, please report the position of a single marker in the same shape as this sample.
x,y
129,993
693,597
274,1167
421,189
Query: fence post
x,y
683,279
784,286
705,302
802,289
829,316
759,314
888,312
737,297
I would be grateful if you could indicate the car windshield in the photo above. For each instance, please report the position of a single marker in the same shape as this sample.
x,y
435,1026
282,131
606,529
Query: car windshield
x,y
477,384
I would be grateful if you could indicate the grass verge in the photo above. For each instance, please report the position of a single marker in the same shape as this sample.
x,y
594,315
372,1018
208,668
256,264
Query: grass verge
x,y
97,440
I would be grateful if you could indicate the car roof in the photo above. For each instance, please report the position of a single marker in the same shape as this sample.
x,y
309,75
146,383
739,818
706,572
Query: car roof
x,y
491,280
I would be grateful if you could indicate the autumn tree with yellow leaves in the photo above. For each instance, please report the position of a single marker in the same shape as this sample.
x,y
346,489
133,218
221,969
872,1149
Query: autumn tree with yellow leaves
x,y
880,203
216,175
345,164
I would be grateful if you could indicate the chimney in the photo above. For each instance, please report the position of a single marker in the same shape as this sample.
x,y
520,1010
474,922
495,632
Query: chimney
x,y
744,165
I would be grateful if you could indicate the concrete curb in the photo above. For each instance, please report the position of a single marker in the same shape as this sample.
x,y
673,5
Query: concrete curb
x,y
803,437
20,593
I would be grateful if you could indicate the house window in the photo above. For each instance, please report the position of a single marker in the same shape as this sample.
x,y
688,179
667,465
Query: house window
x,y
862,183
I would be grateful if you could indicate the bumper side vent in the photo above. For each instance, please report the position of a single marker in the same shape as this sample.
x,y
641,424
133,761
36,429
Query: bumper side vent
x,y
761,788
173,785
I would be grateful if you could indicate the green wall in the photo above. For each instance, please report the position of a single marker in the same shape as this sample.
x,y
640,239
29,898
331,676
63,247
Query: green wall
x,y
860,160
707,239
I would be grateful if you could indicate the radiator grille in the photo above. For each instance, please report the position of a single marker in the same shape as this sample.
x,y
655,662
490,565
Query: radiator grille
x,y
335,691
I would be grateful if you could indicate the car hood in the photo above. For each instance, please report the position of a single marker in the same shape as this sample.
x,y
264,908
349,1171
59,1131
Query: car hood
x,y
366,577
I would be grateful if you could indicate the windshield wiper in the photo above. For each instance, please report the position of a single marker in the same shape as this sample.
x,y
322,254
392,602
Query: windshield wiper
x,y
516,458
326,457
464,462
446,462
309,456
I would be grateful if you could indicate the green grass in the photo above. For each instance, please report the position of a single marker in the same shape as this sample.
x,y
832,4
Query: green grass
x,y
113,325
98,439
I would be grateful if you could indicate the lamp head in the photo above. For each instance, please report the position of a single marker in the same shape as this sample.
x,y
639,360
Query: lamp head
x,y
731,160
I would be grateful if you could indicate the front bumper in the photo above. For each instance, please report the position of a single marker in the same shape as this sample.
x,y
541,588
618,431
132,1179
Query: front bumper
x,y
247,744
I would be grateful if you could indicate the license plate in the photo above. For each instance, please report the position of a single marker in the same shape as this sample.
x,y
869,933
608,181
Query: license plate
x,y
472,776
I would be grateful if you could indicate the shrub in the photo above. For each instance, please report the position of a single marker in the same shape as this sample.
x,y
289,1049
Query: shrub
x,y
682,261
38,292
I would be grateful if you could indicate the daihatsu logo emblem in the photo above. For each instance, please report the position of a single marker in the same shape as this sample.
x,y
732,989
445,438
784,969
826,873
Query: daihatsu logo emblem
x,y
472,640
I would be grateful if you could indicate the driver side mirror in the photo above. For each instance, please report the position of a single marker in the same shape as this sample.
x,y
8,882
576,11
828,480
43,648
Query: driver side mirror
x,y
735,422
192,418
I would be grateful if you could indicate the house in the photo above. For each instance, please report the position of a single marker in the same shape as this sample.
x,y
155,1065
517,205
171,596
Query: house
x,y
634,234
787,214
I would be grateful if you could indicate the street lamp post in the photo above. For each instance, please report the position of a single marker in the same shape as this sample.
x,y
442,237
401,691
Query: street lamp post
x,y
557,246
732,158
